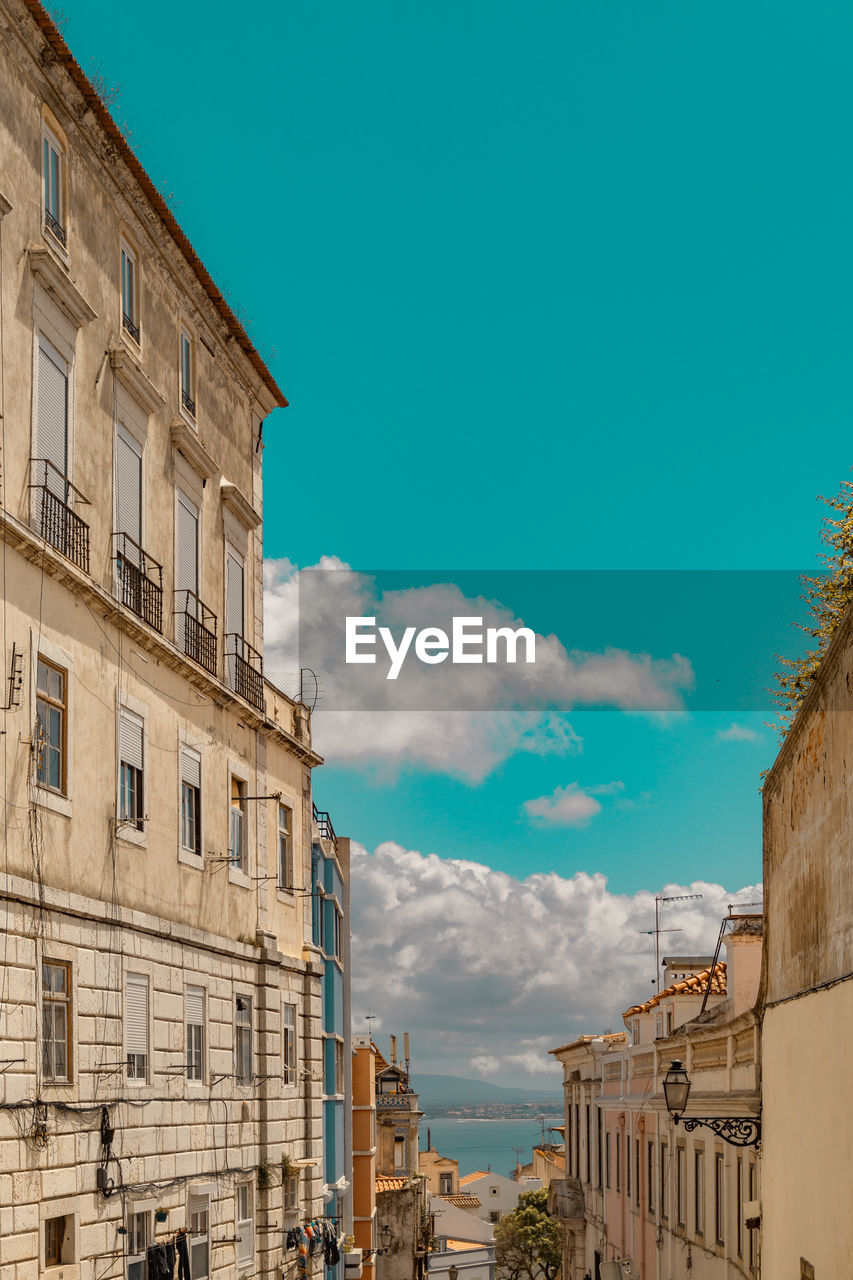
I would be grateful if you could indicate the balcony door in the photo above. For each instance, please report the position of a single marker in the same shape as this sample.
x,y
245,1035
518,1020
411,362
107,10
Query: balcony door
x,y
128,495
186,602
52,420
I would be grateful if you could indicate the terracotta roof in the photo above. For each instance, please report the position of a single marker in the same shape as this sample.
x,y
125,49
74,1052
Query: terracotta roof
x,y
459,1246
472,1177
693,986
463,1202
612,1036
390,1184
64,55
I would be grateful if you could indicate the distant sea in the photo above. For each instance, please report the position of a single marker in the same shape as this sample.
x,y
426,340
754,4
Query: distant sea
x,y
486,1144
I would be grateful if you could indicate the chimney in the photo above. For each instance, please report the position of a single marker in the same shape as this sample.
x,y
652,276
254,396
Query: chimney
x,y
743,964
393,1051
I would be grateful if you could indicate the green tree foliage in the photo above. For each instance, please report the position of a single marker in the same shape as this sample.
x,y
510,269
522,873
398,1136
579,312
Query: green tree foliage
x,y
527,1241
827,597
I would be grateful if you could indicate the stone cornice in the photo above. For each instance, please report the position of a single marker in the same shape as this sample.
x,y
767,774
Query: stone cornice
x,y
239,506
187,442
132,376
56,281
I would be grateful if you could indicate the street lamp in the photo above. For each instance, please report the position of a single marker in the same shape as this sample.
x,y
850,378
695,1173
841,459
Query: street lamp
x,y
453,1272
738,1131
385,1238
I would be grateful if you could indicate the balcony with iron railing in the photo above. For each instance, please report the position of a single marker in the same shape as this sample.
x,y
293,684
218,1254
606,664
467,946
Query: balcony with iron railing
x,y
195,629
139,580
244,669
187,401
55,520
324,825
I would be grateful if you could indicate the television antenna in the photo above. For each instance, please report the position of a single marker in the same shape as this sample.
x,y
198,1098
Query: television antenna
x,y
660,899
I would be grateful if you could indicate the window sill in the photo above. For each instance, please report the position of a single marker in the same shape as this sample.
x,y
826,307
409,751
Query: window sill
x,y
131,835
55,244
188,417
190,859
236,876
52,800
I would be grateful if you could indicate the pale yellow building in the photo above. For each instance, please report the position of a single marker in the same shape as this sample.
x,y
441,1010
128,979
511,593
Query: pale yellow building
x,y
807,1027
159,994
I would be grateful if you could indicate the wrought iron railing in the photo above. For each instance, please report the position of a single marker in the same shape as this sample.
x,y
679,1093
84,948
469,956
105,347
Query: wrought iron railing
x,y
324,825
55,227
132,329
195,629
139,580
244,669
57,523
188,401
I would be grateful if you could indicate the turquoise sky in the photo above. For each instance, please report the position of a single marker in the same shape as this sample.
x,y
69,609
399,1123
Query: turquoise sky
x,y
558,285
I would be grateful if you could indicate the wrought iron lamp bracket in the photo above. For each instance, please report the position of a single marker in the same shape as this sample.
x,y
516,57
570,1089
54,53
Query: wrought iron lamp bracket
x,y
739,1131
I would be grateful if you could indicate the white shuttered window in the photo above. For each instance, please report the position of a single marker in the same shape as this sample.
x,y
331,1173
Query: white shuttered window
x,y
131,775
136,1025
191,800
234,593
52,420
128,486
195,1033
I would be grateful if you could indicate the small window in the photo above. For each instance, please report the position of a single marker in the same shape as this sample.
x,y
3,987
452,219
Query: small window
x,y
56,1020
339,1067
445,1182
493,1191
650,1175
618,1161
136,1025
699,1192
131,810
285,847
191,801
680,1188
669,1022
58,1241
291,1193
195,1032
399,1151
664,1173
188,371
635,1031
53,160
494,1215
199,1216
288,1043
138,1240
719,1197
658,1026
238,846
51,726
245,1224
243,1039
338,927
129,293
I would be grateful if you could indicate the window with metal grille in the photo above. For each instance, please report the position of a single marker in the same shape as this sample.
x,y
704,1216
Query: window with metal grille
x,y
285,847
51,685
187,350
129,290
56,1020
191,801
131,790
194,1001
138,1240
53,162
136,1025
288,1042
243,1039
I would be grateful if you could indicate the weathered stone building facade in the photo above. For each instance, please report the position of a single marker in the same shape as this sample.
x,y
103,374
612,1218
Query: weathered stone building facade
x,y
160,993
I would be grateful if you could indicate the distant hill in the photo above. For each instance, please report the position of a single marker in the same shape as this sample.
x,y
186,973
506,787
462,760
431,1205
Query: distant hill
x,y
445,1090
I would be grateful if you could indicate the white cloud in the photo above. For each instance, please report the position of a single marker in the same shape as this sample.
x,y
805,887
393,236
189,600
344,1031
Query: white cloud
x,y
487,971
737,733
461,720
570,806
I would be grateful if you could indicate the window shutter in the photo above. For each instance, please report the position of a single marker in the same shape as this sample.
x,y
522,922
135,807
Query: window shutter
x,y
187,547
128,485
130,739
198,1204
52,426
234,594
191,768
136,1013
195,1006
